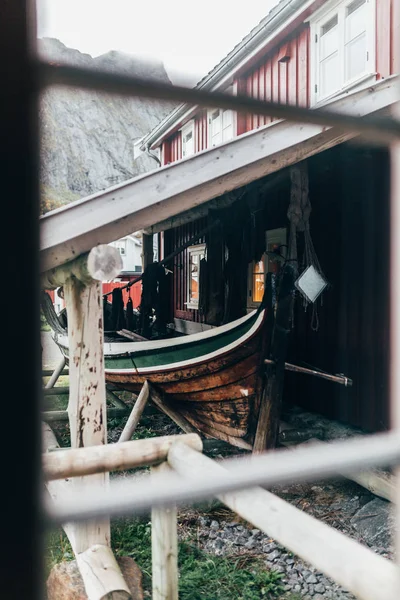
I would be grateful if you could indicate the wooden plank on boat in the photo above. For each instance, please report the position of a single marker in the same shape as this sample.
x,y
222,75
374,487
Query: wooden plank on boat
x,y
136,413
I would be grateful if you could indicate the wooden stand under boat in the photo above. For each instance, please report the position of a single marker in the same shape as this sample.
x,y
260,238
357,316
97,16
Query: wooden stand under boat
x,y
225,383
214,379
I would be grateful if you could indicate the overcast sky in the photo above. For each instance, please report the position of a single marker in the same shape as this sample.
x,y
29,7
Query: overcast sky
x,y
189,37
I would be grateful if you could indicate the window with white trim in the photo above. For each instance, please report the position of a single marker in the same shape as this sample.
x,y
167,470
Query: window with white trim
x,y
188,139
270,262
220,126
121,246
195,255
343,46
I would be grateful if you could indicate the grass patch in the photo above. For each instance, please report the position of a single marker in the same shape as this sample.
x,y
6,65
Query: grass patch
x,y
201,576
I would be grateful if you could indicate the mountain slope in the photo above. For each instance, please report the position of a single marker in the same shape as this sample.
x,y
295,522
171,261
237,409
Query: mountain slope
x,y
87,137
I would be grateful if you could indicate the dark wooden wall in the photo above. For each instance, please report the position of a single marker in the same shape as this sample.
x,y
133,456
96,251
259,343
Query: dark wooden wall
x,y
174,238
349,192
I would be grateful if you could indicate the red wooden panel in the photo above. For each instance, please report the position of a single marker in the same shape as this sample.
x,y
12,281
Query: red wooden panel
x,y
256,94
249,92
261,94
383,36
275,80
292,75
268,86
303,68
283,88
166,152
205,131
179,146
201,131
395,38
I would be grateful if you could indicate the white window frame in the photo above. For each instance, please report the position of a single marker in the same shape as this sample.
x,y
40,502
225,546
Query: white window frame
x,y
209,120
273,236
321,16
188,128
199,249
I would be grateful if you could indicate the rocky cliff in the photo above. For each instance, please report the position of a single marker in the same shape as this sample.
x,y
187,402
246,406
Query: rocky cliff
x,y
86,137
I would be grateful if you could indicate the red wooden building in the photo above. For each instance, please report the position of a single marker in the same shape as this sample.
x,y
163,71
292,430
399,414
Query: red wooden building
x,y
314,54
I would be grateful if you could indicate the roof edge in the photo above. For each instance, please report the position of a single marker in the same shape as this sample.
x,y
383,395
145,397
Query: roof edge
x,y
263,33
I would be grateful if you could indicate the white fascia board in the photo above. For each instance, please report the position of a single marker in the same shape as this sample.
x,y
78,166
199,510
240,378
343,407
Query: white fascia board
x,y
159,195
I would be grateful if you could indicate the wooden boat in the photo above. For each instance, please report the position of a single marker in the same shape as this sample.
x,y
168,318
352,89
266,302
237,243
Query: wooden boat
x,y
213,379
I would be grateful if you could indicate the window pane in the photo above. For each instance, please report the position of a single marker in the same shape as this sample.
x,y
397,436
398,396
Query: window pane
x,y
194,268
356,57
216,128
330,75
258,281
227,125
329,42
356,23
188,144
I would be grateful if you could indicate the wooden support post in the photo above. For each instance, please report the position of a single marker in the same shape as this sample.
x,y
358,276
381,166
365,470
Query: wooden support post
x,y
159,401
136,413
164,549
357,568
147,250
87,399
81,280
56,374
100,572
112,457
269,416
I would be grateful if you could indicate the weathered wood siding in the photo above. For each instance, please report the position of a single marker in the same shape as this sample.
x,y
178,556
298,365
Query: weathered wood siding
x,y
349,192
173,238
282,76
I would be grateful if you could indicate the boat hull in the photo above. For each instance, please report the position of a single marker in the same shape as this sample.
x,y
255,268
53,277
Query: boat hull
x,y
215,382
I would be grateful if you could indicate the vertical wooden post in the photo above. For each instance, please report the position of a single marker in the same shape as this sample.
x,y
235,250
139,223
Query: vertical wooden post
x,y
147,250
87,399
87,413
164,549
269,417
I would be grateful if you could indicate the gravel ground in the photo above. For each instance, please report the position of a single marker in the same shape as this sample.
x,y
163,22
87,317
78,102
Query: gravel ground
x,y
340,503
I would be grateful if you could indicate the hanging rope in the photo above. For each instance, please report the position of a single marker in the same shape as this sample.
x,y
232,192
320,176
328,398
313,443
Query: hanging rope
x,y
299,216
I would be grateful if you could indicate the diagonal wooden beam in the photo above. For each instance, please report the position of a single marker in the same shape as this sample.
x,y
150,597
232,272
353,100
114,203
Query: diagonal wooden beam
x,y
171,190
